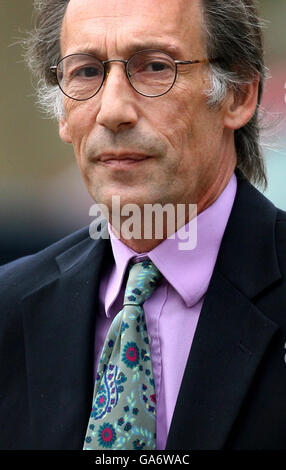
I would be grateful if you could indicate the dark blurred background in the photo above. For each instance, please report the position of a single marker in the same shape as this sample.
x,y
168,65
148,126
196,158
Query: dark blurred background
x,y
42,196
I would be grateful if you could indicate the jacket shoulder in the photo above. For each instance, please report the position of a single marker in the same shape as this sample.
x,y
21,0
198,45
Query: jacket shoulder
x,y
19,276
281,216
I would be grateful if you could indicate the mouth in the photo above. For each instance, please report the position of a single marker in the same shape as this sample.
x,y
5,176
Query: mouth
x,y
122,161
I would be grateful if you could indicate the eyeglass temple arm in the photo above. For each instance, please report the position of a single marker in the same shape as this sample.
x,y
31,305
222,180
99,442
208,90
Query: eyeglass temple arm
x,y
202,61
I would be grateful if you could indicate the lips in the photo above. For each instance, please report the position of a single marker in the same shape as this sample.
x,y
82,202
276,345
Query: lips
x,y
121,160
105,157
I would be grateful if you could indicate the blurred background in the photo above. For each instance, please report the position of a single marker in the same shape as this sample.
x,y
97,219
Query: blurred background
x,y
42,196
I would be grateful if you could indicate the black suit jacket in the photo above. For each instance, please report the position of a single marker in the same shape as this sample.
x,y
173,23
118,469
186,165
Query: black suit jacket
x,y
233,393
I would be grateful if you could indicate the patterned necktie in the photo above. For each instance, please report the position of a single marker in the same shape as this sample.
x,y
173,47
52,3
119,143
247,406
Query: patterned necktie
x,y
123,415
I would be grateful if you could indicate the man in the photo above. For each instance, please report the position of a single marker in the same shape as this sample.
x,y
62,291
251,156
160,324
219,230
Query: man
x,y
160,101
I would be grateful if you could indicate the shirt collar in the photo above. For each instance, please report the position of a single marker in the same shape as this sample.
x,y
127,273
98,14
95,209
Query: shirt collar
x,y
188,271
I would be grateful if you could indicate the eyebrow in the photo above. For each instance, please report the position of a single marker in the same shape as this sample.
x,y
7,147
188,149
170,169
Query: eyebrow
x,y
170,48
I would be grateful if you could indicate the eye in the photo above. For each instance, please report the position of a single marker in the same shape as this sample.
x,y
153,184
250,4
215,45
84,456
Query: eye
x,y
156,66
87,72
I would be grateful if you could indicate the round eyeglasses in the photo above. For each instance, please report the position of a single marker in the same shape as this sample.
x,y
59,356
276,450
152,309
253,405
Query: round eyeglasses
x,y
150,72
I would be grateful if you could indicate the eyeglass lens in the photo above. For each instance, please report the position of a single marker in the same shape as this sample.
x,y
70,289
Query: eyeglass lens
x,y
151,73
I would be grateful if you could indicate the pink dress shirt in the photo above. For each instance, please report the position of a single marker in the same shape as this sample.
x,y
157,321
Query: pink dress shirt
x,y
173,310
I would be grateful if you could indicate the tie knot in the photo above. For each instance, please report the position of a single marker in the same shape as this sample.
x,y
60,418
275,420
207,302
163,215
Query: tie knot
x,y
142,280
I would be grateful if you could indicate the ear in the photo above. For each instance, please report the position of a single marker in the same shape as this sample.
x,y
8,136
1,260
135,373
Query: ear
x,y
64,131
241,105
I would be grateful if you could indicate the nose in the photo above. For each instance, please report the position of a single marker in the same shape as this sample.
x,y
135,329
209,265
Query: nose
x,y
117,108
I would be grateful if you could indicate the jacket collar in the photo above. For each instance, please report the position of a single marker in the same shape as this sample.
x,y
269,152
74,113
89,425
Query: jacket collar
x,y
247,256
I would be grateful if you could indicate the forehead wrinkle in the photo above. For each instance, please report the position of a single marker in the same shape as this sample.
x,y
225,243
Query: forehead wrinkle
x,y
131,48
95,40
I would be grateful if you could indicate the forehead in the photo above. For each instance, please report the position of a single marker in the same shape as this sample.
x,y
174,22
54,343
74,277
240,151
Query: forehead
x,y
113,26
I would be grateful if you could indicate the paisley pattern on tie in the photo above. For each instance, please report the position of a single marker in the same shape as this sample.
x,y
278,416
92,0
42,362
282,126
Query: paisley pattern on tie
x,y
123,415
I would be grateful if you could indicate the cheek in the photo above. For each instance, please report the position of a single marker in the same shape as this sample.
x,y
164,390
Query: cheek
x,y
80,118
182,124
171,119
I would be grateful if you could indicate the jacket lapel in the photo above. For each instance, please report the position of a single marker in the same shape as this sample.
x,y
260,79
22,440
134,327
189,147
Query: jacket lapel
x,y
232,333
59,326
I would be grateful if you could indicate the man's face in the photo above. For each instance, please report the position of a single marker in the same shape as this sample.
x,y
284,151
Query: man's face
x,y
177,137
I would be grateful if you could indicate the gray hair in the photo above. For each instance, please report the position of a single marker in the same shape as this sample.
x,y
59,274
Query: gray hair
x,y
233,33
